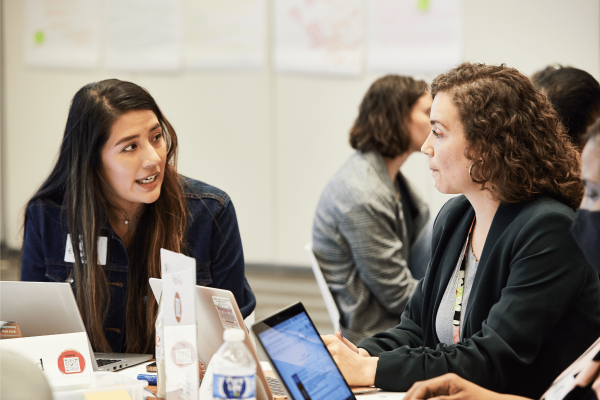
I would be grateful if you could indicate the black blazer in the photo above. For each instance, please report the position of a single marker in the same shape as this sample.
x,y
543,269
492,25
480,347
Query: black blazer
x,y
534,305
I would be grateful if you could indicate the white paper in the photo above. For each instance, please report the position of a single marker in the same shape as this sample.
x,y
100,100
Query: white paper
x,y
224,34
179,307
62,33
45,352
409,36
143,35
319,36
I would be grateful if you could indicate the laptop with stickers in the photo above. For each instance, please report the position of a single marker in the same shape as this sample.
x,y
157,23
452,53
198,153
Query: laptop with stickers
x,y
49,308
217,310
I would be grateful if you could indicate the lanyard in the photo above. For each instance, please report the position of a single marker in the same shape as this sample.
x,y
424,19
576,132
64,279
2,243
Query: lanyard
x,y
460,285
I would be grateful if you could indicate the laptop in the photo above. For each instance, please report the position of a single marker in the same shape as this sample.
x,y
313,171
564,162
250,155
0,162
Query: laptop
x,y
301,359
49,308
217,310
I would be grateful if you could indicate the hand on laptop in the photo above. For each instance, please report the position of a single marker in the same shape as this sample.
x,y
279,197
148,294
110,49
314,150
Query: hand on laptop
x,y
357,370
454,386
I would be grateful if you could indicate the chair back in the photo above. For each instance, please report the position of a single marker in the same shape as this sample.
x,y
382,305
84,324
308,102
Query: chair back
x,y
332,309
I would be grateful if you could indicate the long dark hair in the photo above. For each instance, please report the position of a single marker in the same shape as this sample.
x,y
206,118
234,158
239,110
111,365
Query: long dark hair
x,y
384,114
76,182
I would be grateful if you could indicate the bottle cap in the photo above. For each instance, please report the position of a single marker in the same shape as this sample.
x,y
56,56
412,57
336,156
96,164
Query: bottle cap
x,y
233,335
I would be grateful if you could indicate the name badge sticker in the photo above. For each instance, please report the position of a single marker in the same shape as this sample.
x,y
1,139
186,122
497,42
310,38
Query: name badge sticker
x,y
102,250
226,313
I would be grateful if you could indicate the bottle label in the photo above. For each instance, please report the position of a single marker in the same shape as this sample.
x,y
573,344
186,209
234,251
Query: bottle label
x,y
234,387
160,344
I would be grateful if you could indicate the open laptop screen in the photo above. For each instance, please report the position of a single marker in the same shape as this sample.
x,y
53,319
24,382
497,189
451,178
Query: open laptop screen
x,y
300,356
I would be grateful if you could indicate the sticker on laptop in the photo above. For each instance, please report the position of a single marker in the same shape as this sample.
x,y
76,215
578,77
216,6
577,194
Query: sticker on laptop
x,y
71,362
226,313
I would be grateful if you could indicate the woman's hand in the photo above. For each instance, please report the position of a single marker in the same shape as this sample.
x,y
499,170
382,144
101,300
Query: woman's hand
x,y
453,387
357,370
351,345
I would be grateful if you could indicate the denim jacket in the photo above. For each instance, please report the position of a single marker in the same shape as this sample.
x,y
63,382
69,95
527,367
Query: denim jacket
x,y
212,238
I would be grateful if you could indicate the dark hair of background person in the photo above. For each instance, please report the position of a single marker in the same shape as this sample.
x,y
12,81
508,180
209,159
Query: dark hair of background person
x,y
518,146
574,94
384,115
77,180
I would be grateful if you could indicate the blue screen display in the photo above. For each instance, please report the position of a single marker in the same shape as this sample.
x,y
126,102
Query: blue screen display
x,y
303,361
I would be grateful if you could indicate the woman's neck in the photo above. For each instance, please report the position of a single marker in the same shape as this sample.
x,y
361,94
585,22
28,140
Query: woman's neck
x,y
394,164
124,222
485,207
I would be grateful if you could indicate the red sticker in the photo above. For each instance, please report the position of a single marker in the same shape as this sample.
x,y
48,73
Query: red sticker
x,y
71,362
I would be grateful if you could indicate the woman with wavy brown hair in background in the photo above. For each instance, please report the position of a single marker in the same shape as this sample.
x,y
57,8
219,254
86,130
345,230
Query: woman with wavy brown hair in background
x,y
369,216
505,301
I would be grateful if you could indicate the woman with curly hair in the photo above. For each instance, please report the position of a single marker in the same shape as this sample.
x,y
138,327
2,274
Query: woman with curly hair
x,y
507,296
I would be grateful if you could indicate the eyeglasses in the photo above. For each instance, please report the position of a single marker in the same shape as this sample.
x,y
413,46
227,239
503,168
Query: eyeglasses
x,y
592,189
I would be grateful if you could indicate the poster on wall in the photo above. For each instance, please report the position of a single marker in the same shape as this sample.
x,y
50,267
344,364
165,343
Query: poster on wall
x,y
143,35
63,34
414,36
319,36
224,34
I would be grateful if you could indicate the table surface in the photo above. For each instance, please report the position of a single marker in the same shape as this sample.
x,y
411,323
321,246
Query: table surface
x,y
134,371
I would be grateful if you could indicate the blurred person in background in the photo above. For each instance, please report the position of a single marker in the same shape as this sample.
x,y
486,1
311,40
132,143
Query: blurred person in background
x,y
574,94
369,216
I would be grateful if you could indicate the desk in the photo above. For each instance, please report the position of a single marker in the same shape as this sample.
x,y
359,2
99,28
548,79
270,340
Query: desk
x,y
134,371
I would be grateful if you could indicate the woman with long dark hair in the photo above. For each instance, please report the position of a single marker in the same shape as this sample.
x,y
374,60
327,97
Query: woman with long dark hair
x,y
112,201
506,299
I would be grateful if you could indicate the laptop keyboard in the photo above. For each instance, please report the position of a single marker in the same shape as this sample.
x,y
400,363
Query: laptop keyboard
x,y
275,385
104,361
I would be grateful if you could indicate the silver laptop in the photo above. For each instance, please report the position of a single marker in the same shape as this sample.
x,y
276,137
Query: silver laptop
x,y
214,314
49,308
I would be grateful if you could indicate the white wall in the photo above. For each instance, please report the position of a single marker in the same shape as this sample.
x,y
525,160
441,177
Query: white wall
x,y
271,141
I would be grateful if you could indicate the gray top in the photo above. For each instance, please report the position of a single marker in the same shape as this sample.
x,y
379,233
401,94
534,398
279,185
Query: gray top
x,y
443,322
361,243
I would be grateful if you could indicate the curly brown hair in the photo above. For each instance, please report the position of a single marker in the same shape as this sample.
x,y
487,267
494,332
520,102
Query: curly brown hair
x,y
519,148
384,114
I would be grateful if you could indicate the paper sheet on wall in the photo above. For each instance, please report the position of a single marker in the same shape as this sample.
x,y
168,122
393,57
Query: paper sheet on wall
x,y
409,36
224,34
143,35
63,33
319,36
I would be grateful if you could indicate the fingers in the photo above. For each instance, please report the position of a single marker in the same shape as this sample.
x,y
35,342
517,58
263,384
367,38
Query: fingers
x,y
348,343
588,374
329,339
442,387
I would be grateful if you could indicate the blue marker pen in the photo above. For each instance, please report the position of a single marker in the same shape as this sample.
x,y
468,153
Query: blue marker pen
x,y
148,377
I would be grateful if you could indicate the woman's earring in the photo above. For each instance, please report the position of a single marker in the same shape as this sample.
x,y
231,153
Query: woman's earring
x,y
470,176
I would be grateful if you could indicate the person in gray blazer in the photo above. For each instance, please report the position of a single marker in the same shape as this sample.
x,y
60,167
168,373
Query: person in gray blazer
x,y
508,300
369,216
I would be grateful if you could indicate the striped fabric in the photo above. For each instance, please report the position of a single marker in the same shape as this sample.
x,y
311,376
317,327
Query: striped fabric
x,y
360,241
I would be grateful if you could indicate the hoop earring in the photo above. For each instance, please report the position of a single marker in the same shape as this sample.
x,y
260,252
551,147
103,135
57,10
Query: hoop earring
x,y
470,176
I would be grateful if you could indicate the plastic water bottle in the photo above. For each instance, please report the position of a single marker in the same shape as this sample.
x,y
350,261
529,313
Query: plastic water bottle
x,y
234,368
161,385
